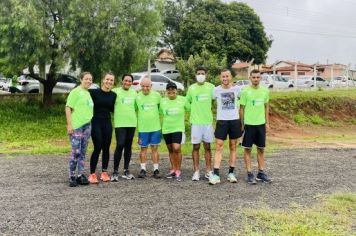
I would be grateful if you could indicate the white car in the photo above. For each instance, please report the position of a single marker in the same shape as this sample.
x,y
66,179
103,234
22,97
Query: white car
x,y
276,82
159,81
342,81
306,81
5,83
172,74
241,83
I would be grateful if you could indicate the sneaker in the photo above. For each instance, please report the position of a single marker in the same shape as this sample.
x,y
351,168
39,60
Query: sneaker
x,y
251,178
115,177
261,176
93,179
170,174
104,177
208,174
127,175
178,175
82,180
231,178
73,182
142,174
156,174
196,176
214,179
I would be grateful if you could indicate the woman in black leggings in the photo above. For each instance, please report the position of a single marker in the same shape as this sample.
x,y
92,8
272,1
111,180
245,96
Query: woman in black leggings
x,y
104,101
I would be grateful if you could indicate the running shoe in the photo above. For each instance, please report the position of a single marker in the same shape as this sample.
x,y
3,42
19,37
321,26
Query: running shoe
x,y
142,174
231,178
251,178
93,179
104,177
178,175
73,182
127,175
262,177
208,174
115,177
214,179
171,174
156,174
196,176
82,180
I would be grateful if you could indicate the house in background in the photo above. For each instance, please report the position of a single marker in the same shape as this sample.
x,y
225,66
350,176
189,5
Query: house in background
x,y
165,60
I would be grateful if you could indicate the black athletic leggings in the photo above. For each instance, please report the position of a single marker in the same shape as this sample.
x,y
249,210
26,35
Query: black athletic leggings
x,y
101,133
124,137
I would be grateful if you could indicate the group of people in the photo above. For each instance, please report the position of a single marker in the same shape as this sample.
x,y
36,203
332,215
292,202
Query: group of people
x,y
239,114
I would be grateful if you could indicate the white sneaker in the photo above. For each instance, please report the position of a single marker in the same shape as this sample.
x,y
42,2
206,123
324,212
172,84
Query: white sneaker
x,y
208,174
231,178
196,176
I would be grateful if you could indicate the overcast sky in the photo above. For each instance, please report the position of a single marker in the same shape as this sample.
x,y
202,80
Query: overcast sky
x,y
309,30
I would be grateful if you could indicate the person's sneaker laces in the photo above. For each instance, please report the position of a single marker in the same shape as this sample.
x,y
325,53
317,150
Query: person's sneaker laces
x,y
142,174
231,178
170,174
261,176
208,174
251,178
93,179
156,174
115,177
82,180
214,179
127,175
73,182
196,176
104,177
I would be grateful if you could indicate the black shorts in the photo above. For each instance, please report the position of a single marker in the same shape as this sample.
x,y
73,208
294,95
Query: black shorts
x,y
176,137
228,127
254,134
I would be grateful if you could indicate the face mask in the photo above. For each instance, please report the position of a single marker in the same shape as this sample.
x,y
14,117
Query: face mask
x,y
200,78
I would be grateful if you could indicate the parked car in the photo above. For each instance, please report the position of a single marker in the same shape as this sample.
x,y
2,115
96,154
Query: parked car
x,y
65,83
241,83
308,82
276,81
342,81
159,81
5,83
172,74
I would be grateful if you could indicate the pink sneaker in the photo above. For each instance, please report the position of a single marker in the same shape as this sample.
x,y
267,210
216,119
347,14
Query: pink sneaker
x,y
171,174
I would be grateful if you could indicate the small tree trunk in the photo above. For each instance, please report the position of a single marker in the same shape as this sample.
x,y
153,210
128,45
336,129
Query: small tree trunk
x,y
48,86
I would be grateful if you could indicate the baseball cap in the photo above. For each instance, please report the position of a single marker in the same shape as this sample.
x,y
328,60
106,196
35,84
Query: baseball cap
x,y
171,85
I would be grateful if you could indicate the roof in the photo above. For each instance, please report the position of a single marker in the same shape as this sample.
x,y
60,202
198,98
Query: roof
x,y
241,65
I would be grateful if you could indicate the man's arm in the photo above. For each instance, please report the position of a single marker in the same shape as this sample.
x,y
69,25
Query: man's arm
x,y
267,116
242,113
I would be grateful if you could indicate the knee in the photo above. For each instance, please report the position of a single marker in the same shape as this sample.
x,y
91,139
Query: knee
x,y
196,148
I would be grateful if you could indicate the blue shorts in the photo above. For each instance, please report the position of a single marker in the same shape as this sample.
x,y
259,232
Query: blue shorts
x,y
149,138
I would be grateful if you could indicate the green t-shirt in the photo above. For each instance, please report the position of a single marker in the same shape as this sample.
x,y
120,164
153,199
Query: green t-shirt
x,y
173,112
254,101
200,97
125,108
148,113
80,101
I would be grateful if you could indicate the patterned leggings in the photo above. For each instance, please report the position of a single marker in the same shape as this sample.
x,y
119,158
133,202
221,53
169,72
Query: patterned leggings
x,y
79,142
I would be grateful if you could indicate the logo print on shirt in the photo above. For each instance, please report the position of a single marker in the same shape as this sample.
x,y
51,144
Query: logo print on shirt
x,y
228,101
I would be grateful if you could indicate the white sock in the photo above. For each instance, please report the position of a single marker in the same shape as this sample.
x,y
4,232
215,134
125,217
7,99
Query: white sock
x,y
155,167
143,166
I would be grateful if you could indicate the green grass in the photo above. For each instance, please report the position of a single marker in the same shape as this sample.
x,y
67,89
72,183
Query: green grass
x,y
349,93
333,215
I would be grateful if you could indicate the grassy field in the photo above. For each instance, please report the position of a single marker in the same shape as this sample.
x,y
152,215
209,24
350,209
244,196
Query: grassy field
x,y
333,215
27,128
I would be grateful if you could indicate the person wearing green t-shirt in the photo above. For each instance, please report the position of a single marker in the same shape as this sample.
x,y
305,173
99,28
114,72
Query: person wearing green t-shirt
x,y
149,127
79,112
200,95
125,122
173,108
254,111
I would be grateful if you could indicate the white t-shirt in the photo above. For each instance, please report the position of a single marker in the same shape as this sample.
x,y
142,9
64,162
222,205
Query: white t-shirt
x,y
228,105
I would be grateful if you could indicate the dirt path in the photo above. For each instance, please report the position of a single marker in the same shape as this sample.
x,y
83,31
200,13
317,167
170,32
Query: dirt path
x,y
35,199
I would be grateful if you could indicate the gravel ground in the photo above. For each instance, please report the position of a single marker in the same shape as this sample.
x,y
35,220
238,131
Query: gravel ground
x,y
35,198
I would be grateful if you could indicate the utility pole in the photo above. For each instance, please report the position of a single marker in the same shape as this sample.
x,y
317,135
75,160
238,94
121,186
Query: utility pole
x,y
315,74
332,74
295,75
347,75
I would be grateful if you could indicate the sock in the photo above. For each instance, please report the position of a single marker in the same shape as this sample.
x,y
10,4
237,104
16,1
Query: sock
x,y
216,171
231,169
155,167
260,171
104,170
143,166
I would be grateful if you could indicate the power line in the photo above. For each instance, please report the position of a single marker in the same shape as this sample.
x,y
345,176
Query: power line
x,y
312,33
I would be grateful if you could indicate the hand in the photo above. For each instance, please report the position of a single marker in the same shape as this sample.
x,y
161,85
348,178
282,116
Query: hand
x,y
242,128
268,128
69,129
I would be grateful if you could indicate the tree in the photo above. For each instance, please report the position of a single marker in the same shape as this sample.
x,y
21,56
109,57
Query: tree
x,y
232,30
94,35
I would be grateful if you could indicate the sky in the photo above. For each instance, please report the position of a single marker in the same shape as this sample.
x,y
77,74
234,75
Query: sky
x,y
309,31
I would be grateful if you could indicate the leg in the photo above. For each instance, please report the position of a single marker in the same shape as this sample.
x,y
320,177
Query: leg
x,y
97,137
120,134
218,153
177,154
195,155
75,141
247,158
207,155
128,147
155,155
106,137
143,155
171,155
260,159
232,147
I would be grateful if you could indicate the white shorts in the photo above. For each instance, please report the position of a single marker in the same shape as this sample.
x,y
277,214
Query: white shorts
x,y
201,133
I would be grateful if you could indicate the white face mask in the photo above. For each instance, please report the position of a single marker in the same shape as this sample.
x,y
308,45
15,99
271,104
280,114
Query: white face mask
x,y
200,78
